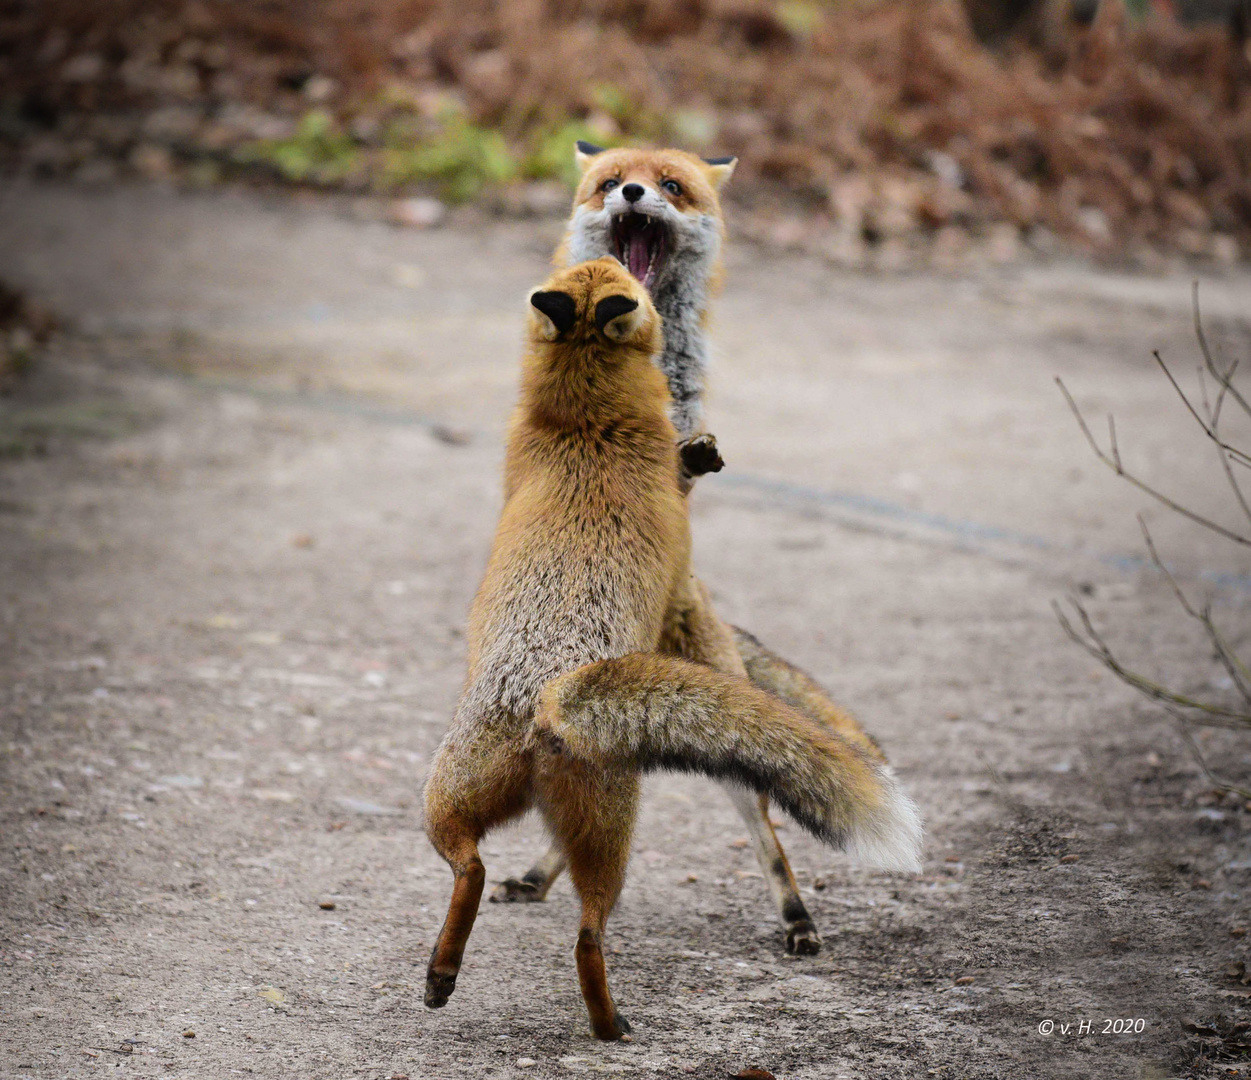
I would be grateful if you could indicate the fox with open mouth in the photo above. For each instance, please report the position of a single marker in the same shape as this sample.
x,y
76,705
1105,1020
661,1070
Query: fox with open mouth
x,y
659,213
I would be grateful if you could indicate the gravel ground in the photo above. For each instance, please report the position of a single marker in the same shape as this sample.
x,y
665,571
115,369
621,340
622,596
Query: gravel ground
x,y
246,498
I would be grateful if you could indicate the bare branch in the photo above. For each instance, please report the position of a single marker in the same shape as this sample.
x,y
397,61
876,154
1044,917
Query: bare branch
x,y
1229,659
1232,663
1183,728
1094,644
1168,574
1238,456
1114,463
1207,353
1213,413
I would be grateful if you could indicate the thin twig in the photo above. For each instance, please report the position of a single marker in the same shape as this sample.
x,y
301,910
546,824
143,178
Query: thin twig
x,y
1114,463
1214,423
1239,456
1098,648
1183,727
1168,574
1237,670
1207,353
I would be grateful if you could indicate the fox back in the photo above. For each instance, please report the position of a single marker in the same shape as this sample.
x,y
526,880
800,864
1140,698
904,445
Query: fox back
x,y
594,532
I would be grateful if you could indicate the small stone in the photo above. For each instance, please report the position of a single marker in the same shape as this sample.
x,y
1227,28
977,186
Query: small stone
x,y
326,905
320,88
1238,931
965,980
525,1063
367,808
188,1034
739,843
692,878
1070,858
152,161
302,540
1225,250
818,883
416,213
1003,244
1094,223
86,67
453,436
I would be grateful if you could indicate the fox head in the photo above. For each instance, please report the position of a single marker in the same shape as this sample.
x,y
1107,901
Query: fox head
x,y
657,211
595,302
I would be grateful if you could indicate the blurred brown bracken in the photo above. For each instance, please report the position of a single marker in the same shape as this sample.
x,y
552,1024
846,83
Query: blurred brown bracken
x,y
888,123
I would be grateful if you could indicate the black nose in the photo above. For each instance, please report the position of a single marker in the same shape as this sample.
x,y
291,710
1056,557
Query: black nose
x,y
632,192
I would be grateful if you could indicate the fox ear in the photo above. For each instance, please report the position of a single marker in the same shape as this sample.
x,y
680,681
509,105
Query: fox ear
x,y
583,152
557,312
720,169
617,317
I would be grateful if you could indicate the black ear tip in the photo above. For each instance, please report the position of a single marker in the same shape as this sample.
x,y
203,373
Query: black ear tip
x,y
585,147
720,160
613,307
557,306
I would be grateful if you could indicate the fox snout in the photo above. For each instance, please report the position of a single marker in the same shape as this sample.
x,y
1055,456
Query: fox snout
x,y
637,198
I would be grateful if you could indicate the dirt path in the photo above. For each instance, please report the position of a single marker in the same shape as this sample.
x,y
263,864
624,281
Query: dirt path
x,y
250,497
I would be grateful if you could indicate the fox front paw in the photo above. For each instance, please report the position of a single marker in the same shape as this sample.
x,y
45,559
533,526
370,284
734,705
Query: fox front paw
x,y
700,455
515,891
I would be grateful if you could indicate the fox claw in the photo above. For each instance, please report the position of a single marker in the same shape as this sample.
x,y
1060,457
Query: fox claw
x,y
700,455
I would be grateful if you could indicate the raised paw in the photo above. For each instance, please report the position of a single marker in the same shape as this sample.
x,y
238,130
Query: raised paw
x,y
700,455
515,891
802,939
438,989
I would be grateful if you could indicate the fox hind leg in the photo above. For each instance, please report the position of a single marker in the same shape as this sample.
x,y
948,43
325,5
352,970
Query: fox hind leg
x,y
802,938
461,851
495,793
591,812
777,676
694,632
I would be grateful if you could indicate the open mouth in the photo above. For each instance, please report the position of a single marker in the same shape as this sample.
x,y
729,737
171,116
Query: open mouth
x,y
640,244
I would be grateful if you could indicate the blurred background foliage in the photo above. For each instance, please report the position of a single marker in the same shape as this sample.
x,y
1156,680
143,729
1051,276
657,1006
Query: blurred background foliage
x,y
1120,127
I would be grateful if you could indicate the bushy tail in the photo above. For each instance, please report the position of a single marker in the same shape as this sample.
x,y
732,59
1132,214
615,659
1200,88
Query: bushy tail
x,y
799,690
652,712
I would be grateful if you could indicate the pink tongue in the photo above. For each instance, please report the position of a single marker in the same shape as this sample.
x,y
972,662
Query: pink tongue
x,y
636,255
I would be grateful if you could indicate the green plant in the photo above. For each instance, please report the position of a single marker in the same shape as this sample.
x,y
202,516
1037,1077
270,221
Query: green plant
x,y
460,156
551,151
318,152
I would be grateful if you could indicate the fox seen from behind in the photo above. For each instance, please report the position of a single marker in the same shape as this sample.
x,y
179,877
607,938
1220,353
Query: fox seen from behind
x,y
658,211
575,686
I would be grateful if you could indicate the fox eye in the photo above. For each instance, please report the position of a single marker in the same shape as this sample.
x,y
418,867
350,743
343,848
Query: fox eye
x,y
672,186
609,184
